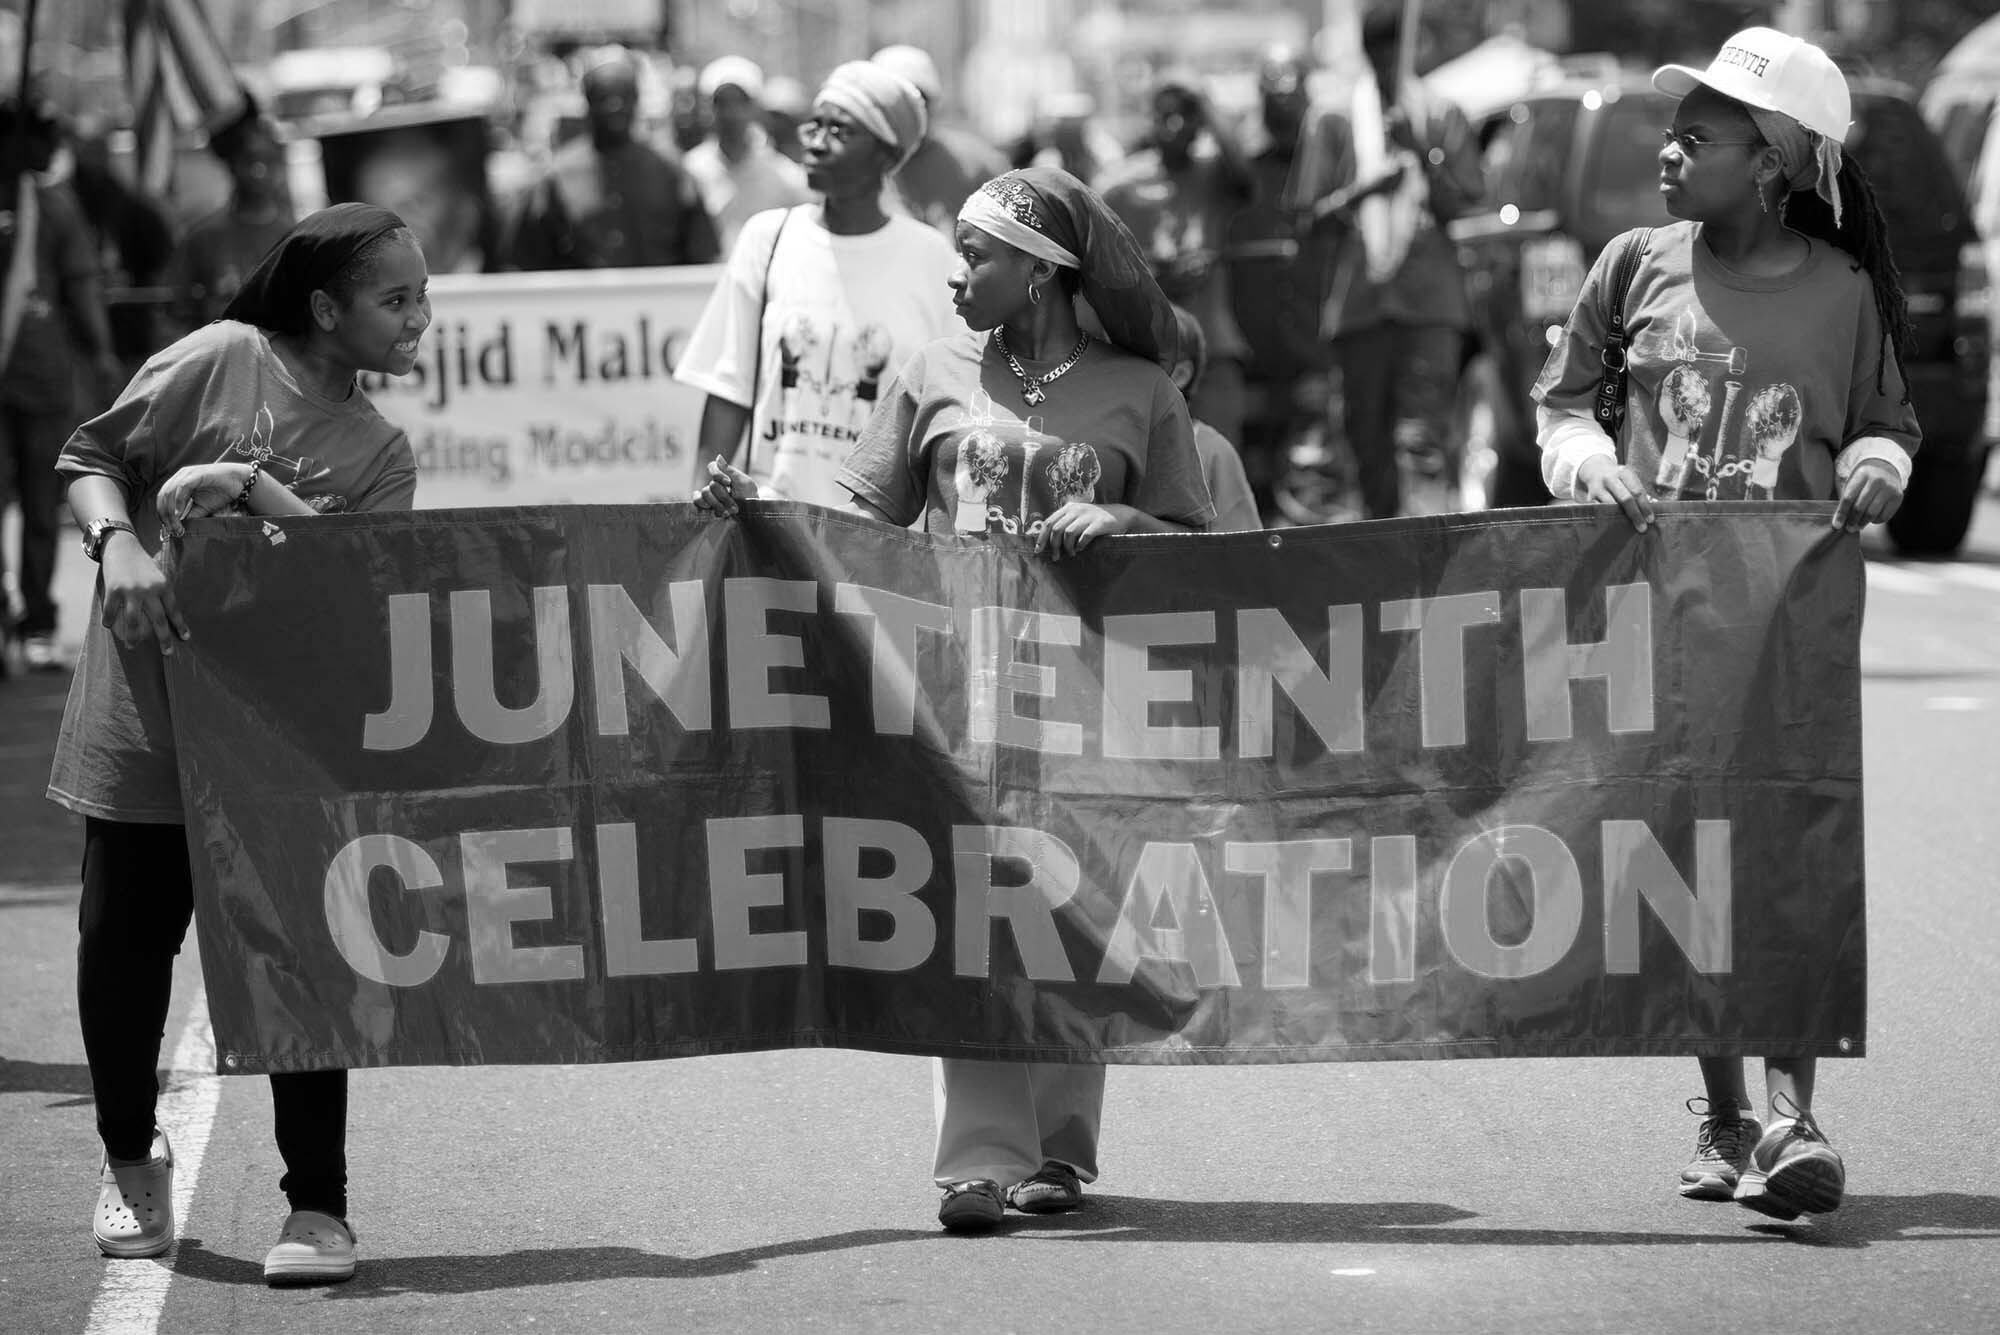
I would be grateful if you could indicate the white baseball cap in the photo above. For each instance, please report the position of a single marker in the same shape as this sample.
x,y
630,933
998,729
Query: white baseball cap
x,y
1772,71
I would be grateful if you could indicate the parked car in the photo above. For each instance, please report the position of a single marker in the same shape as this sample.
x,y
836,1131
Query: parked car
x,y
1573,164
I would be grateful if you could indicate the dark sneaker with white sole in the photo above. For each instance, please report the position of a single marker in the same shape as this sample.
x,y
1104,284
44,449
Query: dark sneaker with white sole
x,y
1793,1171
1721,1151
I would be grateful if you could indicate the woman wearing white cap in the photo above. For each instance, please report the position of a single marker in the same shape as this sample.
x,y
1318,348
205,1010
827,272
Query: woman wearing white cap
x,y
822,302
1766,332
737,169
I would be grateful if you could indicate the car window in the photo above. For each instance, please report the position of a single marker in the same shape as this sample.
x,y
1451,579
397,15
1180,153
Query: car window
x,y
1907,167
1545,154
1623,171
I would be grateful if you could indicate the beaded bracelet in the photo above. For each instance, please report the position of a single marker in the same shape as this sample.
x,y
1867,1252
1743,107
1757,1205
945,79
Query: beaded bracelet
x,y
249,484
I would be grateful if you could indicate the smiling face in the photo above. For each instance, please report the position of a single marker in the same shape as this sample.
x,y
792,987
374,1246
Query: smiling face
x,y
990,285
1709,169
381,323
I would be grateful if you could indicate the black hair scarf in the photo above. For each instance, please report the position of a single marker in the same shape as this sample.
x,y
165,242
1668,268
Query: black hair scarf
x,y
277,293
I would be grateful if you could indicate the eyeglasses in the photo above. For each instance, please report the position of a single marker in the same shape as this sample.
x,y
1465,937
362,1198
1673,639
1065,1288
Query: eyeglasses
x,y
1692,144
838,132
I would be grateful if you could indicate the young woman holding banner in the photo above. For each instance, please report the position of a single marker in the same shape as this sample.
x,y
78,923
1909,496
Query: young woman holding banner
x,y
1029,428
258,412
1764,362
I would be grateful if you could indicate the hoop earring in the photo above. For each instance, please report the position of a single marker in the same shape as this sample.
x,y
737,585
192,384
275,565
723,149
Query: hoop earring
x,y
1034,295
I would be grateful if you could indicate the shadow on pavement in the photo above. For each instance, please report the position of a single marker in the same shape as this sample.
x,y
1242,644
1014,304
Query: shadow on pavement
x,y
391,1276
44,1078
1862,1221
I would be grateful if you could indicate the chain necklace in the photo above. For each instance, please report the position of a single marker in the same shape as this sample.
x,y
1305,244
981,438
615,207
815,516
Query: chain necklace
x,y
1031,386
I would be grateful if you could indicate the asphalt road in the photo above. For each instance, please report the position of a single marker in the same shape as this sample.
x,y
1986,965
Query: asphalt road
x,y
789,1191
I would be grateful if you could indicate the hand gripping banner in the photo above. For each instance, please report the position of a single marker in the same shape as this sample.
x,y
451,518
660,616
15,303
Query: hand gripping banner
x,y
615,783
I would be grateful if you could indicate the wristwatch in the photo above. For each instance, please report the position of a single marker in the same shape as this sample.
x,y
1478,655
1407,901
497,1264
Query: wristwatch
x,y
100,530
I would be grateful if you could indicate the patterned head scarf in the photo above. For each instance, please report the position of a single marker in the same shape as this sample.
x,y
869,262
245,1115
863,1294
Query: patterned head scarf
x,y
276,295
1052,215
882,101
1811,160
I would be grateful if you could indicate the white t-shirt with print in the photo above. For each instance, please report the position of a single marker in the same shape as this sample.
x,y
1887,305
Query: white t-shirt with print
x,y
838,317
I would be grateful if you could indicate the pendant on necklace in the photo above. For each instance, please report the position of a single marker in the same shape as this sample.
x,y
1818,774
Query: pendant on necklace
x,y
1032,392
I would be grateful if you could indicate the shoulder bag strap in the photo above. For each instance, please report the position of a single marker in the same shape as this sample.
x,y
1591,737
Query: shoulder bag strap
x,y
757,360
1610,406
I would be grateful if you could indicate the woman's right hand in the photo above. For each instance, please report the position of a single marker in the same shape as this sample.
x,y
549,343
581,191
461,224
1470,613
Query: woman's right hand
x,y
138,601
1602,480
727,484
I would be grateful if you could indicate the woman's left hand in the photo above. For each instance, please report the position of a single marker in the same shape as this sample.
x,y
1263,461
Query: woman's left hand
x,y
1070,529
197,491
1871,496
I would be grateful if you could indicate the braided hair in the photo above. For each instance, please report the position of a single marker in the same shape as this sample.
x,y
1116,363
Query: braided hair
x,y
1864,234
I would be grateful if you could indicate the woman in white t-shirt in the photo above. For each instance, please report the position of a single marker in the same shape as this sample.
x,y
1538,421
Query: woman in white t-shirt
x,y
821,303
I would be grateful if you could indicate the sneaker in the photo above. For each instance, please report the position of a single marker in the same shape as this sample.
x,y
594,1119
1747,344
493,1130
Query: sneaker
x,y
39,654
1793,1171
1721,1150
971,1207
135,1204
313,1248
1053,1189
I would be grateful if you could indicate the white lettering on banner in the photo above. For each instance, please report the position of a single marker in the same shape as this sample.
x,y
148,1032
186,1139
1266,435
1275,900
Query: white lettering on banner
x,y
1171,914
1441,624
999,679
894,683
550,388
1268,657
1132,686
494,906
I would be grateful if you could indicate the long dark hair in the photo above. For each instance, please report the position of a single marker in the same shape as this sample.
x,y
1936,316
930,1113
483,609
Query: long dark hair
x,y
1864,234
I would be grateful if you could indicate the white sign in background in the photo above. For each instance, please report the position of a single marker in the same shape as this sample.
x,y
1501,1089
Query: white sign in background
x,y
552,388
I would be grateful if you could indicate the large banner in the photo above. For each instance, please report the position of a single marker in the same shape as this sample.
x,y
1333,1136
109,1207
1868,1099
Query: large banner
x,y
553,388
624,782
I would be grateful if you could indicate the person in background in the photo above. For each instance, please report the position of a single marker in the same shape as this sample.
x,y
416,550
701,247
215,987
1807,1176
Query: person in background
x,y
609,201
1178,203
737,170
258,412
786,106
135,246
1277,282
951,163
220,250
1384,176
1067,136
1781,260
51,292
1221,463
822,302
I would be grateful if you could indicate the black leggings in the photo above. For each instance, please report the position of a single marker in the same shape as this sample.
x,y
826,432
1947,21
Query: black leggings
x,y
138,896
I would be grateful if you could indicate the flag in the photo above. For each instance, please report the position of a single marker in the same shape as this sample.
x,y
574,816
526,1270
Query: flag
x,y
180,78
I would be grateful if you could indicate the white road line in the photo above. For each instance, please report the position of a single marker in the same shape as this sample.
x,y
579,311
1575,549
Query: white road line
x,y
132,1294
1895,579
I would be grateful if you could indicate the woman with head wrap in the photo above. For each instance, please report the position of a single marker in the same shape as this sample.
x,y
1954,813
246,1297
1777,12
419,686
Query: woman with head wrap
x,y
258,412
1029,429
1764,361
822,302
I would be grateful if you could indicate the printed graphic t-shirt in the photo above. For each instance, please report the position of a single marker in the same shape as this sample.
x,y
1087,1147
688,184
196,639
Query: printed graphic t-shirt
x,y
956,445
1738,387
844,312
218,395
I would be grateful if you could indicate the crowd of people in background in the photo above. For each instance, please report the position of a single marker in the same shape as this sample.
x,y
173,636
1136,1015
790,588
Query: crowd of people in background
x,y
1242,242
